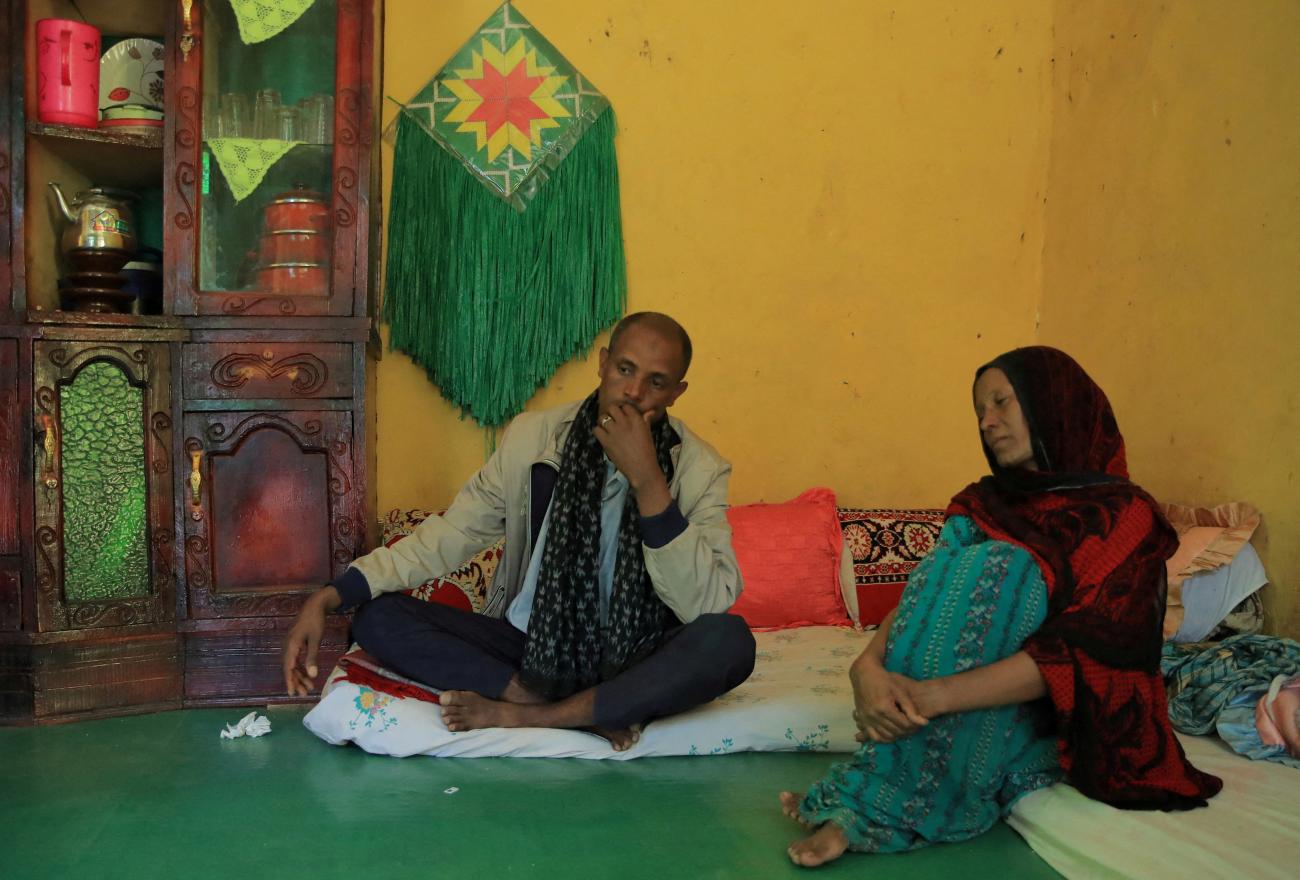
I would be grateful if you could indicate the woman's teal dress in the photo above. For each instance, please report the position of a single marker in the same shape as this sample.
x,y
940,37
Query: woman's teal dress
x,y
969,603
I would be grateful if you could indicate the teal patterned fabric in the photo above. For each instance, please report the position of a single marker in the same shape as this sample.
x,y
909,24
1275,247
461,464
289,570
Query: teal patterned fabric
x,y
971,602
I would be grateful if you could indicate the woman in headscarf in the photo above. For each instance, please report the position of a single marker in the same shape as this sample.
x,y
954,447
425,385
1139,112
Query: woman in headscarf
x,y
1026,646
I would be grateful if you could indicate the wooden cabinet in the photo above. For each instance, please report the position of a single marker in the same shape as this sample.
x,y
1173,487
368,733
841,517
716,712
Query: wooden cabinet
x,y
174,481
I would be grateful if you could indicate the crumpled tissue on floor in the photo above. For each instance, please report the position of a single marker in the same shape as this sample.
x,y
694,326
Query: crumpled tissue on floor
x,y
251,724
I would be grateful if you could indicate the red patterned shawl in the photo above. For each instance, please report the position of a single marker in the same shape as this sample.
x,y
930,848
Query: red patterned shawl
x,y
1101,543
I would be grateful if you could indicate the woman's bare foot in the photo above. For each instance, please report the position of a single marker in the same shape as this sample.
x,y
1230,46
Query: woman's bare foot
x,y
466,710
790,806
826,844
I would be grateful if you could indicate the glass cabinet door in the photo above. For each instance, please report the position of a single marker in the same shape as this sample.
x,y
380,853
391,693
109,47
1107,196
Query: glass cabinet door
x,y
104,526
268,141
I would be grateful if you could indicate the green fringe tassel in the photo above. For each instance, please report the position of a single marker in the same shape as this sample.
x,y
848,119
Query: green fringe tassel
x,y
491,301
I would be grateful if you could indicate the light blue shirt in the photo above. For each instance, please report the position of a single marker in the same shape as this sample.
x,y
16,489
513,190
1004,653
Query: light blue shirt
x,y
613,497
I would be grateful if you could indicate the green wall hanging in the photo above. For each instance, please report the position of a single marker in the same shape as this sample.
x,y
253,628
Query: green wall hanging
x,y
505,241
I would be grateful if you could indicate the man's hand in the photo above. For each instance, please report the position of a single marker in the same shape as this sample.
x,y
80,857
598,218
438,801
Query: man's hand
x,y
625,435
303,640
889,706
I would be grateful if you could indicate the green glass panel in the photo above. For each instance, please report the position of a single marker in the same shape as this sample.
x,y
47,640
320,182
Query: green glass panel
x,y
105,535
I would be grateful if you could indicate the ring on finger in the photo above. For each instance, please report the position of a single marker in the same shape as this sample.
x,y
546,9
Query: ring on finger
x,y
605,420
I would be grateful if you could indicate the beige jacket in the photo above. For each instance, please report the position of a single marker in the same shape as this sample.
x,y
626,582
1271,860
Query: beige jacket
x,y
694,574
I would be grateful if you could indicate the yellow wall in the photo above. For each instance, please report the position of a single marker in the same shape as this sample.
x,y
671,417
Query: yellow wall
x,y
841,201
852,204
1172,259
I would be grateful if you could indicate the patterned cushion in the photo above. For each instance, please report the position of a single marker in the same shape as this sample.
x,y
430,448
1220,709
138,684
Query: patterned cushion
x,y
466,587
886,545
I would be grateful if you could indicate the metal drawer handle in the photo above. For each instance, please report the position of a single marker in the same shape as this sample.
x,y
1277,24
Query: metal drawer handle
x,y
187,36
196,477
50,477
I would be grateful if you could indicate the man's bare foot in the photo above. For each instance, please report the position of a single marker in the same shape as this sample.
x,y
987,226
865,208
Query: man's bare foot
x,y
790,806
621,740
826,844
466,710
517,693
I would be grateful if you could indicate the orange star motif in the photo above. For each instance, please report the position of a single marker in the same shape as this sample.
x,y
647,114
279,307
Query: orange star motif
x,y
506,99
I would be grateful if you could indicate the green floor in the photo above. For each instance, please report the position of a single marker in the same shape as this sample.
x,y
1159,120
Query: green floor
x,y
164,796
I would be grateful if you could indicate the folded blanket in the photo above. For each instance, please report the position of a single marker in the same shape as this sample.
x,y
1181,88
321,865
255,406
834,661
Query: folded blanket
x,y
1202,679
360,668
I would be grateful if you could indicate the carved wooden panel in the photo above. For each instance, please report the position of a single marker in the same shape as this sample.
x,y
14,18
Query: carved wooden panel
x,y
145,366
271,509
266,370
10,446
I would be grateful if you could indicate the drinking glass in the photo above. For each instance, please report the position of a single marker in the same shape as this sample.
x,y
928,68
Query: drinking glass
x,y
232,118
286,127
266,114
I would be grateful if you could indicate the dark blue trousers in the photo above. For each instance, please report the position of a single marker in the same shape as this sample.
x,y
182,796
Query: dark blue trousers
x,y
450,649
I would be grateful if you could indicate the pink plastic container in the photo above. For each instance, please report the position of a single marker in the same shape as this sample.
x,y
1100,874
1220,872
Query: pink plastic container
x,y
67,72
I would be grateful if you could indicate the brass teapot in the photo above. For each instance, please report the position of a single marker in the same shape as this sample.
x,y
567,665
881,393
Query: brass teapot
x,y
99,219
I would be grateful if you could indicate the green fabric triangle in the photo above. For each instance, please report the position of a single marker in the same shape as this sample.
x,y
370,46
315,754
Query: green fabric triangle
x,y
245,161
259,20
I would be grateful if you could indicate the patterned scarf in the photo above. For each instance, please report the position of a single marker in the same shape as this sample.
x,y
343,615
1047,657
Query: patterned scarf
x,y
1101,543
567,649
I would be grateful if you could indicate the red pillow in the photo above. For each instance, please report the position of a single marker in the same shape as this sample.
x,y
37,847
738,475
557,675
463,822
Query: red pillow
x,y
789,556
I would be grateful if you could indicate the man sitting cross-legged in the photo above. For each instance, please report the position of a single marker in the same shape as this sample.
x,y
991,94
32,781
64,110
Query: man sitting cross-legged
x,y
608,606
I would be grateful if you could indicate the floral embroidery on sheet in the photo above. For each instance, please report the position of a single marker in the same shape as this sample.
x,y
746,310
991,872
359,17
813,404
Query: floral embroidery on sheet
x,y
721,749
372,706
813,741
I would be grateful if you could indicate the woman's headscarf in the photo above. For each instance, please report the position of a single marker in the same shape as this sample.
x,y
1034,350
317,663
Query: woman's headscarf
x,y
1101,543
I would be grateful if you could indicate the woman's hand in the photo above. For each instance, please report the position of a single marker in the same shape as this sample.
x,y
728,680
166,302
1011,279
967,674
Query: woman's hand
x,y
889,706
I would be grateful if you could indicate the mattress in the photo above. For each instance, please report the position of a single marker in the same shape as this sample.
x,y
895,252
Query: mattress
x,y
797,699
1250,829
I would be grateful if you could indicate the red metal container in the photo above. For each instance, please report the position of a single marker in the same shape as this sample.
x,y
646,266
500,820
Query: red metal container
x,y
293,278
297,210
293,246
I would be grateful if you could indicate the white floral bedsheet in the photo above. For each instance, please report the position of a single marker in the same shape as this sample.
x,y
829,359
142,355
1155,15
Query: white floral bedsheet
x,y
798,699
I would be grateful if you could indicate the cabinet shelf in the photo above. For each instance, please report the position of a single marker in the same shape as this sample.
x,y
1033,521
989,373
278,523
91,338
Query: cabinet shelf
x,y
105,156
149,140
104,319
